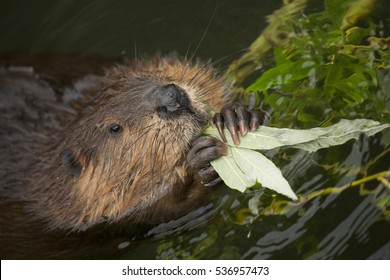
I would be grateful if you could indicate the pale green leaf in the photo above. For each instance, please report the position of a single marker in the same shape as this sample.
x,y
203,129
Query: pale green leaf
x,y
242,167
259,168
230,173
340,133
266,138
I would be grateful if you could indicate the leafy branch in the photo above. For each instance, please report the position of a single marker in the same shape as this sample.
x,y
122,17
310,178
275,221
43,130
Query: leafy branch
x,y
326,66
244,166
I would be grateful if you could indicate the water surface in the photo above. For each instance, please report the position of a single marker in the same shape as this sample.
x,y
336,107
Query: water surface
x,y
346,225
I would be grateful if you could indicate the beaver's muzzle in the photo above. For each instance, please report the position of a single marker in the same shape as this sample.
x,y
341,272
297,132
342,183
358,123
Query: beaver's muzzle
x,y
170,101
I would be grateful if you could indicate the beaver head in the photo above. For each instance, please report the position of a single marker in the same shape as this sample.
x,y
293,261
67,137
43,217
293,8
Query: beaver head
x,y
124,155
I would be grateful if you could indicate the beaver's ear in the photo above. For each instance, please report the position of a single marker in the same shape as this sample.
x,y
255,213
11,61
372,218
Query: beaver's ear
x,y
70,163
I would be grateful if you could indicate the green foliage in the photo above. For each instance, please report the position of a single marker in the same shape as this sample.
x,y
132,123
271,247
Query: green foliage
x,y
326,73
329,69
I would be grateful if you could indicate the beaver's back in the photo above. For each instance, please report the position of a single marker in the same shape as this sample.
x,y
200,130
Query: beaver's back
x,y
26,103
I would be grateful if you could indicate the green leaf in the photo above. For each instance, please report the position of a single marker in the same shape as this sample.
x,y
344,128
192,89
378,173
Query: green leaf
x,y
231,174
261,169
266,138
241,168
340,133
285,73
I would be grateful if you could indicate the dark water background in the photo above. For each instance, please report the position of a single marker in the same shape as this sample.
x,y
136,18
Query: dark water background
x,y
348,225
119,27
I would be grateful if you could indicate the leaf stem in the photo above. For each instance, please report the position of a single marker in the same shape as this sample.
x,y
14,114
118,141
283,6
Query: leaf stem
x,y
335,190
281,207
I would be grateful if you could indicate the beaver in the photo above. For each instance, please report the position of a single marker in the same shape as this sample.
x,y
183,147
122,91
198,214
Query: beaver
x,y
121,148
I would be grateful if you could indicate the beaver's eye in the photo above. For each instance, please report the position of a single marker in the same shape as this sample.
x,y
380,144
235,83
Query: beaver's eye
x,y
115,129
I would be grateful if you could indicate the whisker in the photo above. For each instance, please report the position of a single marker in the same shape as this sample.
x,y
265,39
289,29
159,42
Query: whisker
x,y
204,33
139,137
188,51
145,127
199,44
172,169
153,155
211,64
164,158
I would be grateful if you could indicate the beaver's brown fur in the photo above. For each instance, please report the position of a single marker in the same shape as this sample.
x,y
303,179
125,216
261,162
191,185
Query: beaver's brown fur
x,y
78,173
141,173
103,151
117,149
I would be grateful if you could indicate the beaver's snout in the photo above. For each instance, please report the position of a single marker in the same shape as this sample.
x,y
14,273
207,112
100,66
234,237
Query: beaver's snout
x,y
170,101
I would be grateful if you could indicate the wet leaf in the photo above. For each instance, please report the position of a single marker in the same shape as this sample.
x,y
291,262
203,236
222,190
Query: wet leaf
x,y
266,138
231,174
262,170
340,133
243,167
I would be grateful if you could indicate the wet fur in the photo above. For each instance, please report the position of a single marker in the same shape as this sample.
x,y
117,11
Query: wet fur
x,y
65,171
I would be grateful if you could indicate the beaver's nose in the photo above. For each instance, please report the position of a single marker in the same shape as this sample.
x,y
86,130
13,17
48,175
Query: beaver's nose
x,y
170,100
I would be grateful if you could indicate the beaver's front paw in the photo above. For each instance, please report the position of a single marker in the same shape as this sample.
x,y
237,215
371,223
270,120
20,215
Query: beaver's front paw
x,y
236,117
204,150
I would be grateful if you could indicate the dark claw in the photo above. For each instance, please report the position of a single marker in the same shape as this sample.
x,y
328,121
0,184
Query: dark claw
x,y
218,121
214,182
256,116
230,118
209,176
237,118
242,117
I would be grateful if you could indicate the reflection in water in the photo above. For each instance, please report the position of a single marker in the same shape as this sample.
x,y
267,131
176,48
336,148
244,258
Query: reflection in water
x,y
352,227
